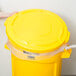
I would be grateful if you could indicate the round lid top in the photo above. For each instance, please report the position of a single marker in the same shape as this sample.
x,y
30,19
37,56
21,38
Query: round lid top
x,y
36,30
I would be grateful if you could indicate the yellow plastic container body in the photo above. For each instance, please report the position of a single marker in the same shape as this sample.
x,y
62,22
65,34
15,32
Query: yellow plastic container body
x,y
37,31
31,68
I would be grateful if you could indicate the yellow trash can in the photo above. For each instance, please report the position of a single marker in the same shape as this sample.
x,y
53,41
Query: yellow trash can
x,y
37,39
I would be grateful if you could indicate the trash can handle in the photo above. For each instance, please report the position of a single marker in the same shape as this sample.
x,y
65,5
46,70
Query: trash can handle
x,y
67,51
70,47
64,49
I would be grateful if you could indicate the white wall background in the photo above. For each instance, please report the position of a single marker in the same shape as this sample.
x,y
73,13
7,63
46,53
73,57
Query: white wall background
x,y
65,8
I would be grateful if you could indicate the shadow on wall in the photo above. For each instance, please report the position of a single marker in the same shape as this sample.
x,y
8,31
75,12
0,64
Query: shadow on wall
x,y
68,66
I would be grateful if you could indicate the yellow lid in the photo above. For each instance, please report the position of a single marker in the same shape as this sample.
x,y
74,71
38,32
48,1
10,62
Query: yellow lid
x,y
36,30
